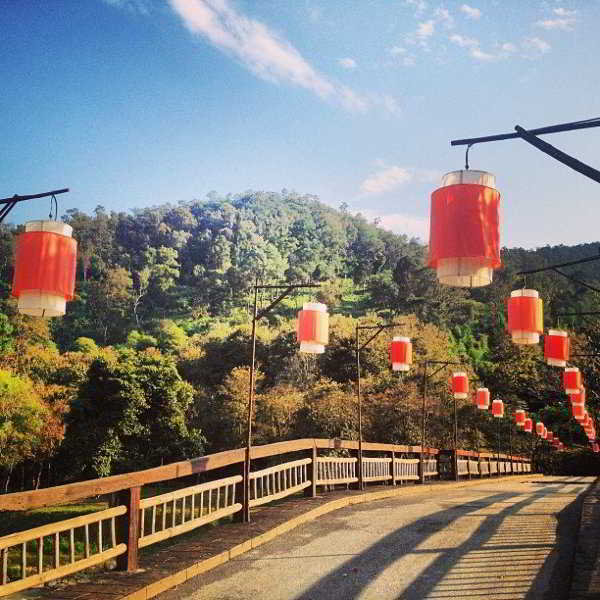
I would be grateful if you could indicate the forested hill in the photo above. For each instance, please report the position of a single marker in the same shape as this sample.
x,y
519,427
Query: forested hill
x,y
151,359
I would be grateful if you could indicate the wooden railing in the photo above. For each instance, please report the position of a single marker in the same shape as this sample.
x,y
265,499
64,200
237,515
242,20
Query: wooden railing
x,y
32,557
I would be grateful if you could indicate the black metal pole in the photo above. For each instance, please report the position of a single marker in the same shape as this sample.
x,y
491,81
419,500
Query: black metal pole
x,y
361,484
246,500
455,441
498,459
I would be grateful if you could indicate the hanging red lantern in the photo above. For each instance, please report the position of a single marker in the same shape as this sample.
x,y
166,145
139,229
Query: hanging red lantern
x,y
464,239
525,316
312,330
539,428
528,426
45,267
460,385
498,408
482,398
550,436
400,353
572,380
578,397
577,411
520,417
556,348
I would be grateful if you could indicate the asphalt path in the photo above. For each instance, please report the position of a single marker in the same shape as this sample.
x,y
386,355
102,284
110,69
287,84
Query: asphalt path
x,y
502,540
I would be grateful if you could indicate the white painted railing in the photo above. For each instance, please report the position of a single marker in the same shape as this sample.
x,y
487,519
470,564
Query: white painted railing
x,y
73,545
406,469
332,470
463,466
473,467
279,481
376,469
493,467
431,467
484,467
171,514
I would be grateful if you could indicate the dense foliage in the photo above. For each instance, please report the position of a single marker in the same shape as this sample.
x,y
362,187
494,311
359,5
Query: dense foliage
x,y
150,364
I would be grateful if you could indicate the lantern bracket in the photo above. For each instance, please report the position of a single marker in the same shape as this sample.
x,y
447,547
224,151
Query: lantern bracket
x,y
530,136
9,203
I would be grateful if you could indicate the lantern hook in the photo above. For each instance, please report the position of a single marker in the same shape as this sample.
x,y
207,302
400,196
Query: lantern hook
x,y
53,202
467,156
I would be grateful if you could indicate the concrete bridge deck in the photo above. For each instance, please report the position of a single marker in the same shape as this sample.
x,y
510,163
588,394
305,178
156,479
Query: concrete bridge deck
x,y
503,539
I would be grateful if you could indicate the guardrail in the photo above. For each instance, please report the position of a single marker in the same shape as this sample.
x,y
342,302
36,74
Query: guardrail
x,y
38,555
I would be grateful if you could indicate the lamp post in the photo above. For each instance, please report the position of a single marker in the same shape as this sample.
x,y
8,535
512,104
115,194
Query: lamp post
x,y
443,364
256,316
358,347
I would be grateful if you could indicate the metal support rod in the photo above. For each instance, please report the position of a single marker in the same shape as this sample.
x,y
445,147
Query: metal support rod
x,y
10,203
455,442
570,263
498,459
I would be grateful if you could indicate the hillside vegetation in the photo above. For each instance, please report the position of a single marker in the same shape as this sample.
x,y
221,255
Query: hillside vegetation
x,y
150,364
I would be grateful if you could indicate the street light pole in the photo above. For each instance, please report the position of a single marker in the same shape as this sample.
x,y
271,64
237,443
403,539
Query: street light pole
x,y
256,316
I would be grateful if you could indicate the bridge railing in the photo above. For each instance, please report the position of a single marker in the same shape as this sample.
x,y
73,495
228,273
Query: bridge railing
x,y
33,557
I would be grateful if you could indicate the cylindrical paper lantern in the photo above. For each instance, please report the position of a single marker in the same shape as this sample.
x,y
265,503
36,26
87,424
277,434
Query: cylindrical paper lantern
x,y
550,436
498,408
577,411
460,385
578,397
400,352
539,428
572,380
313,328
528,427
520,417
464,239
483,398
45,266
556,348
525,316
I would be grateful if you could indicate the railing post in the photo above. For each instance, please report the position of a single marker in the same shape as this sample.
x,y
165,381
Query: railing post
x,y
392,467
313,470
128,528
455,464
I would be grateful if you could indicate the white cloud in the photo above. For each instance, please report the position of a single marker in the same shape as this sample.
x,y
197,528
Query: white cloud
x,y
442,15
262,51
470,11
508,47
136,6
479,54
390,177
347,63
564,20
395,50
563,12
535,47
420,6
409,61
399,223
464,42
425,29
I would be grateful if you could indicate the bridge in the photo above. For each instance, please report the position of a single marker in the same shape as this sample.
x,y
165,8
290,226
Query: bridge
x,y
327,522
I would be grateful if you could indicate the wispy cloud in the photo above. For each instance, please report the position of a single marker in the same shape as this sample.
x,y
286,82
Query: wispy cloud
x,y
262,51
390,177
535,47
136,6
347,63
463,41
419,6
425,30
470,11
563,19
399,223
442,15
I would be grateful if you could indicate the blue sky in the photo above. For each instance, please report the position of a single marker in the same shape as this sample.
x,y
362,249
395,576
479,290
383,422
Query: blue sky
x,y
132,103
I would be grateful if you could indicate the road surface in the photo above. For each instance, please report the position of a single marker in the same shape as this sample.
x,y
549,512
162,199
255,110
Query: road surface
x,y
499,540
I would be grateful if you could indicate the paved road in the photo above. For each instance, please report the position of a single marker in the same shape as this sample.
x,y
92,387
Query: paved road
x,y
500,540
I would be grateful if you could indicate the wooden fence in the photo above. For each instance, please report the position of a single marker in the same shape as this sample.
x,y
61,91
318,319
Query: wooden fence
x,y
33,557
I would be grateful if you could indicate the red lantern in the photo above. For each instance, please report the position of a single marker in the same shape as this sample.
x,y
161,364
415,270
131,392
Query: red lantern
x,y
520,418
561,446
483,398
556,348
313,328
45,266
539,428
572,380
578,397
577,411
498,408
460,385
595,447
400,352
464,240
550,436
528,427
525,316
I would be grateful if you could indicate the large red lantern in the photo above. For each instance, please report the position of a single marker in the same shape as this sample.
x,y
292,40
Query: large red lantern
x,y
572,380
577,410
482,398
528,426
525,316
400,352
556,348
464,240
539,428
520,417
313,328
460,385
498,408
45,267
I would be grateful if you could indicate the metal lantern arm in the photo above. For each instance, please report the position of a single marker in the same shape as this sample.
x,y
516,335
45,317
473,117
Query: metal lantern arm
x,y
9,203
530,136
